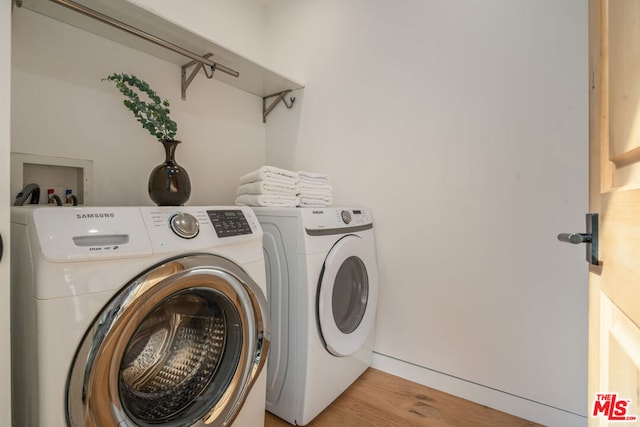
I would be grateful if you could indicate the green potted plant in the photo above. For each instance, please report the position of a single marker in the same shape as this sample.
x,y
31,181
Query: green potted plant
x,y
169,183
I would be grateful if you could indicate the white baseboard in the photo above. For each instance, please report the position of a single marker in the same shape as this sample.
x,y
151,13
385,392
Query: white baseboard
x,y
505,402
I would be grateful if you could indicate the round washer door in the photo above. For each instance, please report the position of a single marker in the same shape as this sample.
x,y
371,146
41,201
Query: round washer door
x,y
180,345
348,295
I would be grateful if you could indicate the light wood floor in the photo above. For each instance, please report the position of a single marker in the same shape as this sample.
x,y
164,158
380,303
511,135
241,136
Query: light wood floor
x,y
381,399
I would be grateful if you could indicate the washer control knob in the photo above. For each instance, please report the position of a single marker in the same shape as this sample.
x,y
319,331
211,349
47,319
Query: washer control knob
x,y
346,216
184,225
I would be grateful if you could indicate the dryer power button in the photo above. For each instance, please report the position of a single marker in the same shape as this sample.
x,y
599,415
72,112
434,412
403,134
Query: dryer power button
x,y
346,217
184,225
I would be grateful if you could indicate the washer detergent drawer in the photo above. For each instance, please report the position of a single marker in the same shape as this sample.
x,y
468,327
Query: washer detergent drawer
x,y
80,234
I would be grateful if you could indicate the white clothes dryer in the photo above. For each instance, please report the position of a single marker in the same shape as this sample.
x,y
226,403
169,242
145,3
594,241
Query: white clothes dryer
x,y
127,316
322,282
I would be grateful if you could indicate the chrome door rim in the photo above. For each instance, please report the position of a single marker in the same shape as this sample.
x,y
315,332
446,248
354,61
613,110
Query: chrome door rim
x,y
336,341
93,397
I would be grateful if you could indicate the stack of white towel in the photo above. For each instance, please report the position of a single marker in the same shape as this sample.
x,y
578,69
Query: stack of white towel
x,y
276,187
268,186
314,190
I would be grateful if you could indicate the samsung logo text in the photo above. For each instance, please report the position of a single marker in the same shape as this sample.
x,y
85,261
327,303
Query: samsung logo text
x,y
95,215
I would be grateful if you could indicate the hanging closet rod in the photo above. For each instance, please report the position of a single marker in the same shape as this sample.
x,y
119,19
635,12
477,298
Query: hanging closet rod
x,y
136,32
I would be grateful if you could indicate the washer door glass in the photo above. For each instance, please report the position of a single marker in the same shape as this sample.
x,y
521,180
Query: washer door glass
x,y
181,344
181,357
348,295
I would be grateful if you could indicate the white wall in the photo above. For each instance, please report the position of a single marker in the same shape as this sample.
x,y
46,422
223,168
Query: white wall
x,y
463,125
455,121
60,107
5,198
238,25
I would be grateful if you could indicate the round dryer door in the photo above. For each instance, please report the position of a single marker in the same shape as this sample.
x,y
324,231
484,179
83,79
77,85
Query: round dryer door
x,y
348,295
181,345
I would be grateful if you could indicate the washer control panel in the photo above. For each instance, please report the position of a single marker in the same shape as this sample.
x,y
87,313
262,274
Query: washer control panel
x,y
85,233
191,228
229,222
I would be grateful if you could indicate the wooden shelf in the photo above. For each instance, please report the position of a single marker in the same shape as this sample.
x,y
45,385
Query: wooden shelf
x,y
253,77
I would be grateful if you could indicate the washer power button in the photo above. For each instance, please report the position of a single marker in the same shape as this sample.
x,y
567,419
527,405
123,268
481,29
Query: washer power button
x,y
184,225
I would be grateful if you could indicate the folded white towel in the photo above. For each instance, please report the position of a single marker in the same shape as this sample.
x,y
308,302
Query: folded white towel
x,y
318,196
270,173
267,200
313,176
267,187
313,183
314,189
304,187
315,202
316,193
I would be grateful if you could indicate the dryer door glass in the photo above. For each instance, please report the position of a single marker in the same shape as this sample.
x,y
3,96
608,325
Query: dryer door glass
x,y
350,294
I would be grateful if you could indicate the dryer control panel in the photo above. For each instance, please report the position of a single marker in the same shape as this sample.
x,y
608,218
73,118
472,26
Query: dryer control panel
x,y
336,220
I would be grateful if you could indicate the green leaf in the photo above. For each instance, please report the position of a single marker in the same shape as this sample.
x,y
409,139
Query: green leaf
x,y
153,114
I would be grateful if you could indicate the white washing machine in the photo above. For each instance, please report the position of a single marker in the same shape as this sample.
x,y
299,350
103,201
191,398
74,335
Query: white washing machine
x,y
127,316
322,282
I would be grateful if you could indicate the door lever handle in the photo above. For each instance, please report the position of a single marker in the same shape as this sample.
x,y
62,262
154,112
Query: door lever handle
x,y
575,238
590,238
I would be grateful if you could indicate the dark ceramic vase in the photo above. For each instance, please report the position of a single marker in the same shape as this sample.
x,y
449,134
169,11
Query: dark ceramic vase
x,y
169,183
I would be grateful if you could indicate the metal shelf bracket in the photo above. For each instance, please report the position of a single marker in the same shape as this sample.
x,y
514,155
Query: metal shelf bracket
x,y
186,80
279,97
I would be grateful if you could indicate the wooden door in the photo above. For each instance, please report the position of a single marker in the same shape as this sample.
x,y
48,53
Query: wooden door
x,y
614,295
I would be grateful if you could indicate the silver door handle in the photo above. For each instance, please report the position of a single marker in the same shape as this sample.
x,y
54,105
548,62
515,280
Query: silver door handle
x,y
575,238
590,238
